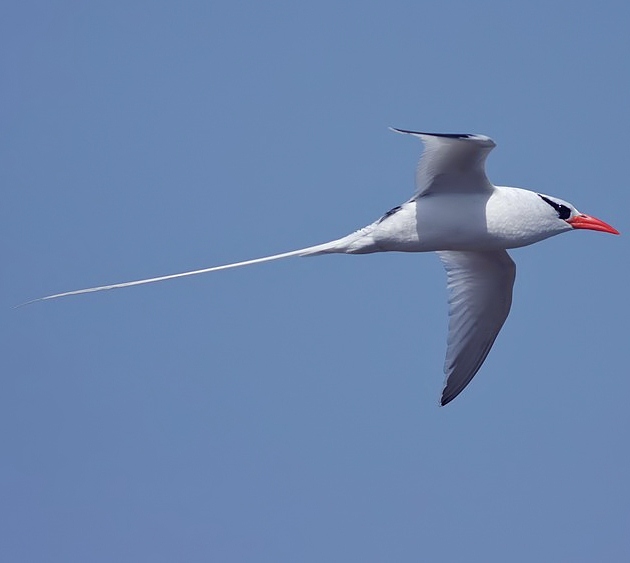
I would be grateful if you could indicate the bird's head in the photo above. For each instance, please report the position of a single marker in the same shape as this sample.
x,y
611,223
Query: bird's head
x,y
563,216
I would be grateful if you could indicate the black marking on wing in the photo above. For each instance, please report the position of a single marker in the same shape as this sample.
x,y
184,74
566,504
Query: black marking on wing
x,y
563,211
445,135
390,213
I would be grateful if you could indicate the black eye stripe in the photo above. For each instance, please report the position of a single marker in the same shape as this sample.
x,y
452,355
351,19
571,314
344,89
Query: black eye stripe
x,y
563,211
553,204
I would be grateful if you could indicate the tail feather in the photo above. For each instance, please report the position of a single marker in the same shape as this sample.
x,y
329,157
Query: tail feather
x,y
326,248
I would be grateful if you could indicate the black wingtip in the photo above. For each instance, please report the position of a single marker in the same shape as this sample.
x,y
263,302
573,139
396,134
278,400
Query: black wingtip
x,y
444,135
444,402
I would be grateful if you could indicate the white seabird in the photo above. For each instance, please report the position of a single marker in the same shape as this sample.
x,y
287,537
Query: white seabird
x,y
470,223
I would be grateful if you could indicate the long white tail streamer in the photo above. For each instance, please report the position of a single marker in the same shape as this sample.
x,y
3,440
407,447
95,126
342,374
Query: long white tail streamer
x,y
309,251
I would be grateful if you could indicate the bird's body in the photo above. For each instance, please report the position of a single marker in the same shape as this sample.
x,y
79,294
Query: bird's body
x,y
434,222
470,223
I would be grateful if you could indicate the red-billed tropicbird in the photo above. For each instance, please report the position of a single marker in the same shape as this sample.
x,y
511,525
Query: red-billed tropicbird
x,y
470,223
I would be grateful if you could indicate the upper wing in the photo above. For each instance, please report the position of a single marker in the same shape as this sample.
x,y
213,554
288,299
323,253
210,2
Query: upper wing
x,y
451,162
480,295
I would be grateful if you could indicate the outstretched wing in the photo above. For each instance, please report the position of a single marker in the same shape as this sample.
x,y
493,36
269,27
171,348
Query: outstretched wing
x,y
480,295
451,162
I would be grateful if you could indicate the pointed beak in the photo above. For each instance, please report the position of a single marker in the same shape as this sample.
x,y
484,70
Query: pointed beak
x,y
591,223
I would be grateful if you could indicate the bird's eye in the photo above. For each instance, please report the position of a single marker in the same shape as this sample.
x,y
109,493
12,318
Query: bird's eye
x,y
563,211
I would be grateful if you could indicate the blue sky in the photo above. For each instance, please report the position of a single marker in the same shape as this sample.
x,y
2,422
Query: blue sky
x,y
289,411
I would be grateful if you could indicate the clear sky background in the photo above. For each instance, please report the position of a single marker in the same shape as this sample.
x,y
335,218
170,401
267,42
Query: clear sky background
x,y
289,411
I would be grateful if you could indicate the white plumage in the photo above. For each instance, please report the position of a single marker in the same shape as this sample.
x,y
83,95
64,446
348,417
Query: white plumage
x,y
470,223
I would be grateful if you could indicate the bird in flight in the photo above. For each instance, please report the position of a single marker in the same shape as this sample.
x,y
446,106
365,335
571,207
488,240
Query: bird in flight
x,y
458,213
